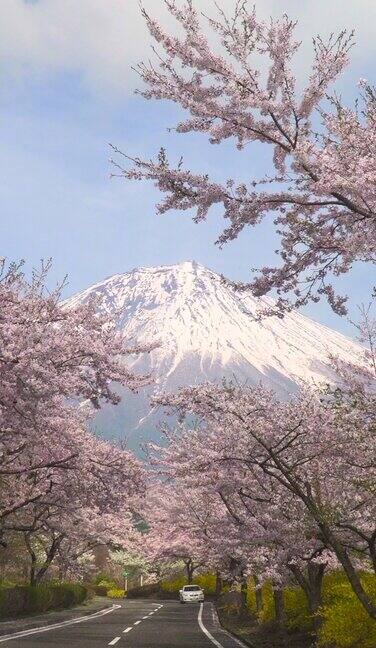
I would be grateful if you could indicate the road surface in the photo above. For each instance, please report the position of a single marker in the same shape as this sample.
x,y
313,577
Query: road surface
x,y
136,624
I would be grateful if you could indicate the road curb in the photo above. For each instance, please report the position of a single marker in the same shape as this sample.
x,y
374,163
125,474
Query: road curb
x,y
219,626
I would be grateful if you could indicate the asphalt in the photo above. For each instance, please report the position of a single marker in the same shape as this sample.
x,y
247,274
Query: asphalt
x,y
136,624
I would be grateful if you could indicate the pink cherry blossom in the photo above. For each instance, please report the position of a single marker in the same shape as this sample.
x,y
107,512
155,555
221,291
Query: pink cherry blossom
x,y
321,192
59,482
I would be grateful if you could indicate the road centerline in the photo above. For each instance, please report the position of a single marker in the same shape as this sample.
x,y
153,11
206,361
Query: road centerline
x,y
114,641
127,629
58,626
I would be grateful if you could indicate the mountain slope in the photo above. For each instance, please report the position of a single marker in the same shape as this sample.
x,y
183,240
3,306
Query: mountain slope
x,y
207,331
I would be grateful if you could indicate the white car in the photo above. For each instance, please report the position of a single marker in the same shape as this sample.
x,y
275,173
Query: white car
x,y
191,593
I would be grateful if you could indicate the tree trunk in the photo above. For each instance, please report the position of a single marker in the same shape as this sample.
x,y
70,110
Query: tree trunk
x,y
218,583
340,551
33,559
258,595
351,574
244,592
311,584
328,536
50,556
315,579
39,575
62,573
32,575
190,570
279,605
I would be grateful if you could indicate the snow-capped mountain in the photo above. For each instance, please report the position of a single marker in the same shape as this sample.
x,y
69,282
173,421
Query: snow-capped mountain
x,y
207,331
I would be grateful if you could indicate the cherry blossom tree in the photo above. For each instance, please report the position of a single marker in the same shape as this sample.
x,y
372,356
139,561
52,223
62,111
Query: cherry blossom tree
x,y
316,452
53,359
133,560
251,525
92,505
321,191
173,534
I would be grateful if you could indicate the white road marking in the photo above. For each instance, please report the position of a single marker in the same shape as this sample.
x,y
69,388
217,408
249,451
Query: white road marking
x,y
150,613
127,629
240,643
145,617
204,630
56,626
114,641
136,622
225,632
216,621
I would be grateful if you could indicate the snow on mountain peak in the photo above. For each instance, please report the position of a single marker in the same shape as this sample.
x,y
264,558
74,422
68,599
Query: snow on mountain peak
x,y
208,331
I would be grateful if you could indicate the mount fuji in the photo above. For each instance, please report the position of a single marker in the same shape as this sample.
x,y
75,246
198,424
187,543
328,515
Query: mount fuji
x,y
206,331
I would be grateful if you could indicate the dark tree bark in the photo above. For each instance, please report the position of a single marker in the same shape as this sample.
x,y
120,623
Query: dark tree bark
x,y
33,558
37,575
315,580
218,583
258,594
190,570
279,605
311,584
286,476
244,591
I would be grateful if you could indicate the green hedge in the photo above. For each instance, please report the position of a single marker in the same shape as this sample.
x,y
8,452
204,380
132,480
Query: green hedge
x,y
28,599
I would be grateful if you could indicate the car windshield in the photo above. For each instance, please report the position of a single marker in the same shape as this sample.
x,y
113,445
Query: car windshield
x,y
192,588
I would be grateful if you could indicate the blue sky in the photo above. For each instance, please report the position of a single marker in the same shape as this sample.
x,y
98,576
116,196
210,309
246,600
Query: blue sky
x,y
67,90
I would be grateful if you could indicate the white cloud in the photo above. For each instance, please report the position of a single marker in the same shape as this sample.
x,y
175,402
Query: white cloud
x,y
101,39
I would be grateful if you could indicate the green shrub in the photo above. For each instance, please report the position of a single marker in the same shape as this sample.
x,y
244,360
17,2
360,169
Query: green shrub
x,y
39,599
116,593
68,594
104,585
100,590
298,616
104,582
346,623
28,599
99,578
267,613
251,596
12,601
174,585
151,590
207,582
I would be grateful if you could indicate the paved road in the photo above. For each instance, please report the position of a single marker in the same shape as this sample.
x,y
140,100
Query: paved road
x,y
136,624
